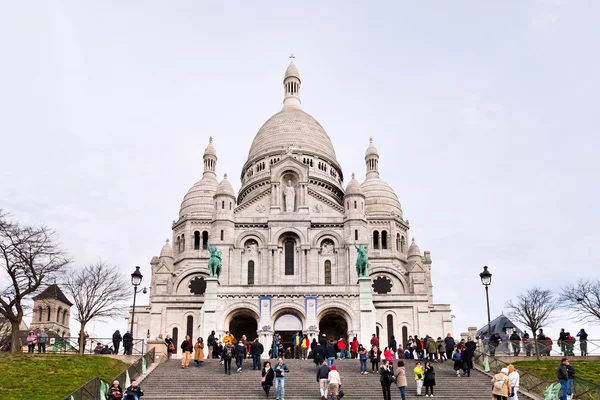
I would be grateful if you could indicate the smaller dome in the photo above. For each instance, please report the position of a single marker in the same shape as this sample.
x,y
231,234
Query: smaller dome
x,y
225,188
292,71
166,250
354,187
414,250
210,149
371,150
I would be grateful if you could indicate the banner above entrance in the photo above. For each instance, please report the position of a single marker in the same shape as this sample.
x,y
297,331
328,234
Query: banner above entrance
x,y
288,322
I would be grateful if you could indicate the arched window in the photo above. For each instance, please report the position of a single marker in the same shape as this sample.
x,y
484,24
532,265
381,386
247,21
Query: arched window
x,y
328,272
404,336
204,240
222,234
223,205
250,272
355,204
356,234
377,331
196,240
390,327
397,242
402,244
376,240
58,314
64,318
49,311
190,327
230,205
288,247
174,336
40,312
182,243
384,240
178,245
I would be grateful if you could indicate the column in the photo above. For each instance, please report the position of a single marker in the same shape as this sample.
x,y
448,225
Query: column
x,y
367,310
208,314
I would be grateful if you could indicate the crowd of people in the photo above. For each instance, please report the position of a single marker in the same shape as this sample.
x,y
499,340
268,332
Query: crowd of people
x,y
565,341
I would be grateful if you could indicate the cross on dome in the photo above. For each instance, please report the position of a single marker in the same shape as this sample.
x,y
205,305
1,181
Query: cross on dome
x,y
292,56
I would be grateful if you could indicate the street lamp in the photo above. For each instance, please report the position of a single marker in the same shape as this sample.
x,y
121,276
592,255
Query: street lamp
x,y
136,280
486,280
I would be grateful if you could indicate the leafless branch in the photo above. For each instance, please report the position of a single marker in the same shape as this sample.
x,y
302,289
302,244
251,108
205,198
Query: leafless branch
x,y
583,299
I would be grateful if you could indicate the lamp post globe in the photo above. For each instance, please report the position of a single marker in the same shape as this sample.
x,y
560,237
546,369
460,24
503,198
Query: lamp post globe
x,y
486,280
136,280
486,276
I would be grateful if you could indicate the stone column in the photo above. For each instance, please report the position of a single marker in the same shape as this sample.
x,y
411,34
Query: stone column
x,y
312,333
368,319
160,349
208,314
265,337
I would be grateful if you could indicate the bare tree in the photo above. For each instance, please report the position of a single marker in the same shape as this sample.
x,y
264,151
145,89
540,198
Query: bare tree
x,y
98,291
583,299
29,257
534,309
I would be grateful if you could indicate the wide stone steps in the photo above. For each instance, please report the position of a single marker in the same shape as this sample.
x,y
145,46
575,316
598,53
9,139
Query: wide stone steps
x,y
170,381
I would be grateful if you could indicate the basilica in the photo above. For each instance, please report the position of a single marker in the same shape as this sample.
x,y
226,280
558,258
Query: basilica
x,y
287,243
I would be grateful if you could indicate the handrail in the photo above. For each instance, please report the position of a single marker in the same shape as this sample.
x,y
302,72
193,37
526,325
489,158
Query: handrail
x,y
554,347
91,389
582,389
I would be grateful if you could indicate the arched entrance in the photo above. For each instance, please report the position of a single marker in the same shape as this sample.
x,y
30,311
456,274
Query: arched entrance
x,y
286,324
243,323
334,325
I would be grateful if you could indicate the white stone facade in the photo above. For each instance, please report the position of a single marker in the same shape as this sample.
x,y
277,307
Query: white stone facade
x,y
288,238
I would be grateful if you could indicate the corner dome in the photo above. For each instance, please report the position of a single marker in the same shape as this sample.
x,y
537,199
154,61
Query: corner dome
x,y
354,188
166,250
414,250
292,127
225,188
380,198
198,202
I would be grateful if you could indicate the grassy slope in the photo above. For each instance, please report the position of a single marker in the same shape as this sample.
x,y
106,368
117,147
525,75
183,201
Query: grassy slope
x,y
34,377
588,370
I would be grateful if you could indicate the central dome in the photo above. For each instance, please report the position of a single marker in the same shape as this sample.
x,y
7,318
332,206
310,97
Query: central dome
x,y
292,127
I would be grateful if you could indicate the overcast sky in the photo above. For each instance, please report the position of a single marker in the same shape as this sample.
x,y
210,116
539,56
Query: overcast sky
x,y
485,115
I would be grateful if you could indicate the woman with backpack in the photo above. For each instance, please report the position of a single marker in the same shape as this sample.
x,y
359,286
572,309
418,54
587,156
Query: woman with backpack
x,y
386,377
429,381
170,346
228,354
458,362
362,356
501,388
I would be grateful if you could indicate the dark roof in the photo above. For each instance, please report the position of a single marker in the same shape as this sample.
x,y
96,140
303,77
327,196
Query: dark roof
x,y
53,292
500,325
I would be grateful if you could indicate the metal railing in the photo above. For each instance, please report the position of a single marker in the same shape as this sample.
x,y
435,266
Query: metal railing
x,y
582,389
546,348
71,345
91,390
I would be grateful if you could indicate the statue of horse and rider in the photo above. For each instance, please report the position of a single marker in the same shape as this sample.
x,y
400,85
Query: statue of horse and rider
x,y
362,262
214,263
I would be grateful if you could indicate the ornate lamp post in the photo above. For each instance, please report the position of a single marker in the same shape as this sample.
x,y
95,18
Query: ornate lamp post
x,y
136,280
486,280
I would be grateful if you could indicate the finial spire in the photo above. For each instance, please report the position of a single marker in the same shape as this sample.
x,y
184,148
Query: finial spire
x,y
370,139
291,85
167,241
353,175
225,175
292,56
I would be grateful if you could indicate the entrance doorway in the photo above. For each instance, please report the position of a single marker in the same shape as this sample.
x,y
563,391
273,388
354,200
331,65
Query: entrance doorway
x,y
286,325
243,324
334,326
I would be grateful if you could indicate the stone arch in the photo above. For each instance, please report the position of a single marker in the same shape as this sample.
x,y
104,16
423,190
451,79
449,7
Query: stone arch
x,y
259,237
278,310
334,322
382,269
242,321
237,308
340,308
337,239
386,332
286,231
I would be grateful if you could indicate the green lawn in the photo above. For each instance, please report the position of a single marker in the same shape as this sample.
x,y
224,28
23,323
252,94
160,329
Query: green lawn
x,y
52,377
588,370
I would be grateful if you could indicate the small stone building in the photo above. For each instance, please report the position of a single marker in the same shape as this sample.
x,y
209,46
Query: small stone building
x,y
52,312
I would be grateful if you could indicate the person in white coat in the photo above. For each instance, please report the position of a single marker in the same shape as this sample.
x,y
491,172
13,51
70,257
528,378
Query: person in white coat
x,y
514,377
334,383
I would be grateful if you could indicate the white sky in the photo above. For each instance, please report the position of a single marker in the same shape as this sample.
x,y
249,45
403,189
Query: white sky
x,y
485,115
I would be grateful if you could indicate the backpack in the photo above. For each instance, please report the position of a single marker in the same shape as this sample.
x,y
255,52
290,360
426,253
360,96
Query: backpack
x,y
499,384
229,352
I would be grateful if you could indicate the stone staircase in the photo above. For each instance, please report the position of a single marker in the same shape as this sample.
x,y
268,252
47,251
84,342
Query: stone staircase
x,y
170,381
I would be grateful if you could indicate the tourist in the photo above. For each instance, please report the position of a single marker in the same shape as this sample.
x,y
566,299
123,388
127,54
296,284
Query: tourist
x,y
541,342
419,347
569,345
256,350
562,375
275,346
127,343
362,358
410,346
441,346
267,378
313,345
297,343
240,355
469,355
115,392
419,377
280,370
571,372
211,343
305,344
429,381
116,339
354,348
133,392
562,337
170,346
323,379
186,351
501,388
98,348
218,350
323,341
400,351
319,355
388,355
42,339
432,349
330,354
199,352
526,344
582,335
461,346
515,341
341,344
514,377
458,362
386,377
374,341
31,342
228,339
334,383
375,357
548,346
287,354
226,356
393,345
400,378
450,343
493,343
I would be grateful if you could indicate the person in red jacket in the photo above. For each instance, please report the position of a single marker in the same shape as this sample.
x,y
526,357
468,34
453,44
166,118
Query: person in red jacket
x,y
374,341
342,348
354,348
